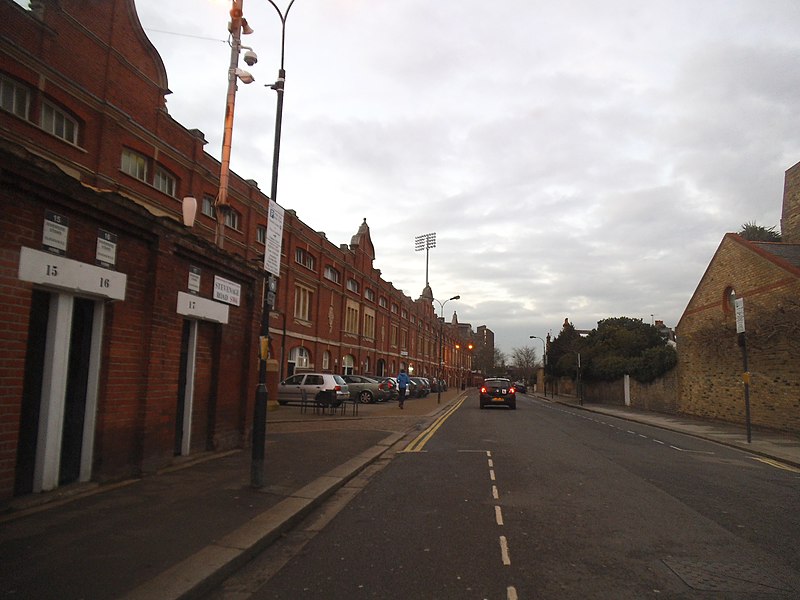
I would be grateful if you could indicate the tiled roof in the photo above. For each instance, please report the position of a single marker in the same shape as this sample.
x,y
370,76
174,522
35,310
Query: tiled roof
x,y
788,252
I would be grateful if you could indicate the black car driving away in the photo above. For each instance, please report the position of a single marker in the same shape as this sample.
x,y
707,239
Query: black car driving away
x,y
498,392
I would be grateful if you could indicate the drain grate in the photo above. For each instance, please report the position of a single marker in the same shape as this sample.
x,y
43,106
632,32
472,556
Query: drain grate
x,y
721,577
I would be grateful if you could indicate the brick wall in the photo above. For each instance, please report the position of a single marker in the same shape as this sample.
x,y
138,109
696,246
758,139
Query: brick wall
x,y
790,217
141,353
710,362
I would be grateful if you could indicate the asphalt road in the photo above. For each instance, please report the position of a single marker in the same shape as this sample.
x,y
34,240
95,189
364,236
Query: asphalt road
x,y
545,502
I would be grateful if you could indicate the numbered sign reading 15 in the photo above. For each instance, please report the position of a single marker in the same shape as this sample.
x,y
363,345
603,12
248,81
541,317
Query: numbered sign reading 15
x,y
55,233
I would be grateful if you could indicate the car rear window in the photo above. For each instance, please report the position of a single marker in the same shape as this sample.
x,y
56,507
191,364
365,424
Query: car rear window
x,y
339,380
499,382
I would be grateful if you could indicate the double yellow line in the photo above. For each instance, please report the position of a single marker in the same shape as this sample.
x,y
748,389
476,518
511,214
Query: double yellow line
x,y
776,464
419,442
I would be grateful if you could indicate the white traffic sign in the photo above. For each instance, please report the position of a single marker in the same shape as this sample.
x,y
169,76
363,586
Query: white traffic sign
x,y
272,249
738,305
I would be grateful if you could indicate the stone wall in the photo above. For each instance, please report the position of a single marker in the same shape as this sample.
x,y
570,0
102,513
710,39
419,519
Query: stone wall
x,y
660,395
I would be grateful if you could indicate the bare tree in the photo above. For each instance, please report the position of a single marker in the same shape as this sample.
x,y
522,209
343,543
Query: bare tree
x,y
524,361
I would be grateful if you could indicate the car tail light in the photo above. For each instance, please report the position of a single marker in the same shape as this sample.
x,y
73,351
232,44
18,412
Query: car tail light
x,y
483,390
337,388
512,390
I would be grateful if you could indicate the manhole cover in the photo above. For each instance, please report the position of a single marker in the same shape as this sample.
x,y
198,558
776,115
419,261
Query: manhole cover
x,y
722,577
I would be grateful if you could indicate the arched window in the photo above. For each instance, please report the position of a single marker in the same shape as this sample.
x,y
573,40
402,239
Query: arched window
x,y
348,362
298,359
728,300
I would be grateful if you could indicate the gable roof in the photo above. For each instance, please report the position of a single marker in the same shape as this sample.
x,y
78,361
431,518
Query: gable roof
x,y
782,255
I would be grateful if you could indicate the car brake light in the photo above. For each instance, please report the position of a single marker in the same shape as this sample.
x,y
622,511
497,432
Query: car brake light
x,y
512,390
337,388
483,390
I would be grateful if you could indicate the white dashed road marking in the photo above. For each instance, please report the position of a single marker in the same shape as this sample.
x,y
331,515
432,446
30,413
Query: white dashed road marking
x,y
504,550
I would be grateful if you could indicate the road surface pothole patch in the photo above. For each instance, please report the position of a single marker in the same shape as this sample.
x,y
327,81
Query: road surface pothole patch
x,y
726,577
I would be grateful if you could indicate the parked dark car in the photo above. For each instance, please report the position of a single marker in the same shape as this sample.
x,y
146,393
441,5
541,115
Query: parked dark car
x,y
389,387
521,387
411,390
498,392
423,387
438,385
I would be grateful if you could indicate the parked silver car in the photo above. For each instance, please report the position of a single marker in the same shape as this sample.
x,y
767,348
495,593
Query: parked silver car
x,y
365,389
324,388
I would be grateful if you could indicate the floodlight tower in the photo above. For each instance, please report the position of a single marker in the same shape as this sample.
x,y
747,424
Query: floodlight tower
x,y
425,242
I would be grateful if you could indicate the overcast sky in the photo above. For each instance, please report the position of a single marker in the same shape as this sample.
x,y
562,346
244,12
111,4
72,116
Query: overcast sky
x,y
576,159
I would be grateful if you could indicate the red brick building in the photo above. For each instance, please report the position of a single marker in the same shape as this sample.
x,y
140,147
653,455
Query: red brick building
x,y
710,360
130,339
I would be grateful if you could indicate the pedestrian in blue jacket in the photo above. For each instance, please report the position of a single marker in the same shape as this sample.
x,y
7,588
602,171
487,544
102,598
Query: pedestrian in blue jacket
x,y
402,384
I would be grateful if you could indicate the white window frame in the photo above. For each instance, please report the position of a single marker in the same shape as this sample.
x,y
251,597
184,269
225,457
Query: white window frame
x,y
261,234
56,121
300,357
15,97
348,362
134,164
332,274
165,181
305,258
232,219
207,207
352,285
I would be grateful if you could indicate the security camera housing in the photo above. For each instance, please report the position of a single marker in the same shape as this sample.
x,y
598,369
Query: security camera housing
x,y
250,58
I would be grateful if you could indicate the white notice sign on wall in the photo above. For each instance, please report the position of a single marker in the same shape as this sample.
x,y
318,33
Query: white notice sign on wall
x,y
272,250
738,304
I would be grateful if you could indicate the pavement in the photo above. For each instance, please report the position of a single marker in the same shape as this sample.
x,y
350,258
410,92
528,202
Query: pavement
x,y
773,445
179,533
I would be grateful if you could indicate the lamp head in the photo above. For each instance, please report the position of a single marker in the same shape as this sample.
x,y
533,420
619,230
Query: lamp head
x,y
244,76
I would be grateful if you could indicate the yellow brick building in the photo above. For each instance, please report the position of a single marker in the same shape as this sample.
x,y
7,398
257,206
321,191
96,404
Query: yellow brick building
x,y
766,277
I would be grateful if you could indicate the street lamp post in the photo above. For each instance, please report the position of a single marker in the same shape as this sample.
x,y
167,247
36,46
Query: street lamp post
x,y
262,396
441,346
544,361
238,25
